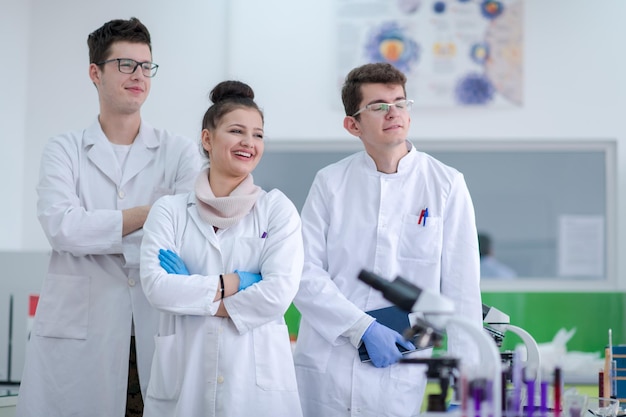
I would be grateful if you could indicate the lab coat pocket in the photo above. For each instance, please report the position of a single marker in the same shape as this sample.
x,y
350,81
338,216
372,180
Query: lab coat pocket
x,y
165,380
420,242
63,308
247,254
274,362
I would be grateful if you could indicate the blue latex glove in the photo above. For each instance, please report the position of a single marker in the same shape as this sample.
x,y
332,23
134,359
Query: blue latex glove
x,y
380,342
172,262
247,278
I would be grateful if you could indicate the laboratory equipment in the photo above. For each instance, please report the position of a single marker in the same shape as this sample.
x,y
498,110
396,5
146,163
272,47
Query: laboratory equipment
x,y
517,371
438,313
443,370
497,323
603,407
9,380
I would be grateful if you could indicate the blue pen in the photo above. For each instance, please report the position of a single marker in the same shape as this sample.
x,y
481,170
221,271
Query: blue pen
x,y
425,215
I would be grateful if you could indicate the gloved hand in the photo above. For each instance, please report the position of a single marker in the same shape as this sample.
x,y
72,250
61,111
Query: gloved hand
x,y
172,262
380,342
247,278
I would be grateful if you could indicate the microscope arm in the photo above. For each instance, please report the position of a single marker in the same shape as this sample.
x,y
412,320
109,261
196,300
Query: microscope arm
x,y
533,360
500,322
490,363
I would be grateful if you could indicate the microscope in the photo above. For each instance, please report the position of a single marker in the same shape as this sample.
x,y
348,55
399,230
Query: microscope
x,y
496,324
438,313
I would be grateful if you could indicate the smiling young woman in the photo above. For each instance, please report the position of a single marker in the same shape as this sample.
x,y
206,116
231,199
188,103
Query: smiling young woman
x,y
223,264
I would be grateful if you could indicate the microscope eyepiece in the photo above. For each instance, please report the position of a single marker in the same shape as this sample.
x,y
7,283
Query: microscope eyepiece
x,y
399,291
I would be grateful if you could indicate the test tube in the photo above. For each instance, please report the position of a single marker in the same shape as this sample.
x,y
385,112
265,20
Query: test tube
x,y
517,382
601,384
530,398
613,379
557,392
543,404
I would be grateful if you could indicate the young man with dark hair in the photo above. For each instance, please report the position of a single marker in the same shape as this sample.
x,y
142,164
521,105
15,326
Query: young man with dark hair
x,y
91,346
393,211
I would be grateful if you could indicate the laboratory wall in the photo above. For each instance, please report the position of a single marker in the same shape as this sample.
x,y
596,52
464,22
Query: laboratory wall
x,y
574,89
573,80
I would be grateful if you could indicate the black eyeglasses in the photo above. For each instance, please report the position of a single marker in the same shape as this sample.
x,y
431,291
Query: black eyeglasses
x,y
129,66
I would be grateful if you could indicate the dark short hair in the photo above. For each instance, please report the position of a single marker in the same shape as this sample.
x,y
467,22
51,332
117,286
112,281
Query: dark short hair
x,y
118,30
226,97
377,73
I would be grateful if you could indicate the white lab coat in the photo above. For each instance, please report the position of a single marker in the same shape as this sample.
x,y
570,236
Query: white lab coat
x,y
206,365
77,356
357,218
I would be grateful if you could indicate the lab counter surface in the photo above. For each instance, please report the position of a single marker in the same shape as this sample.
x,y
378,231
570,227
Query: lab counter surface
x,y
8,400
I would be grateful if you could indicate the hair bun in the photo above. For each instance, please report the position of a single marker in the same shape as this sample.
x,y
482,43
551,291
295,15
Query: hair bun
x,y
231,90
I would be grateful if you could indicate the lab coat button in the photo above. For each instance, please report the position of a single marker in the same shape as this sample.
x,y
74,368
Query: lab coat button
x,y
121,194
220,379
131,282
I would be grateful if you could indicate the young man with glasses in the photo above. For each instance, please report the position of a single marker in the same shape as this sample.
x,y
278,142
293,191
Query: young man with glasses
x,y
394,211
91,347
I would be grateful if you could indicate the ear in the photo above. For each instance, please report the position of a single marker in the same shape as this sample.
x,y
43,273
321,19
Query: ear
x,y
352,126
206,140
94,73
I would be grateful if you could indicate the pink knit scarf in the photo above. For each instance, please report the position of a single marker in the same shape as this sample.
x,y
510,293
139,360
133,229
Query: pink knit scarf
x,y
223,212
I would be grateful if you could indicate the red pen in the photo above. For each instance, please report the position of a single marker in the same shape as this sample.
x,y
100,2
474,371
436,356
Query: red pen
x,y
421,217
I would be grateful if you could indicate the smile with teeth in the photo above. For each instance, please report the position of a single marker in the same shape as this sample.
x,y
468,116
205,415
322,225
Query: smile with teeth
x,y
244,154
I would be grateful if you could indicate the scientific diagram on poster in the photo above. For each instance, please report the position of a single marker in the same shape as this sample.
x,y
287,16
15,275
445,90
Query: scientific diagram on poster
x,y
455,53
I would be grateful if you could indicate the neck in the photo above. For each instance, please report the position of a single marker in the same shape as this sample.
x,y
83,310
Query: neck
x,y
120,129
388,159
222,185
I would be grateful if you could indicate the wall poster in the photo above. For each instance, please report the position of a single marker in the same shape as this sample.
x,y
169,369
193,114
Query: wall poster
x,y
455,53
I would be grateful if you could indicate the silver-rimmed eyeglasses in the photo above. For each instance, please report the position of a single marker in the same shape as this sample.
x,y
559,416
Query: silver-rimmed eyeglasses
x,y
383,108
129,66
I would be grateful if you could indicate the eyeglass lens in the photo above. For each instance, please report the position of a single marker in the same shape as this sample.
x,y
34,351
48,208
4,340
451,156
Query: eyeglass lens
x,y
385,107
129,66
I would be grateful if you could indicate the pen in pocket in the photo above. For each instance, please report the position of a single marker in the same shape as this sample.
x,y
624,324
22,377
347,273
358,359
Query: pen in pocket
x,y
423,216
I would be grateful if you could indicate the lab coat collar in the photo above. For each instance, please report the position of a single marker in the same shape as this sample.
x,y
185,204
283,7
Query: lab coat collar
x,y
408,161
100,152
404,165
205,228
94,135
142,152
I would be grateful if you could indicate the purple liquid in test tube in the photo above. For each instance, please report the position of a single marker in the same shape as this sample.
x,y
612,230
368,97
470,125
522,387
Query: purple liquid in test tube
x,y
530,398
543,405
476,396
